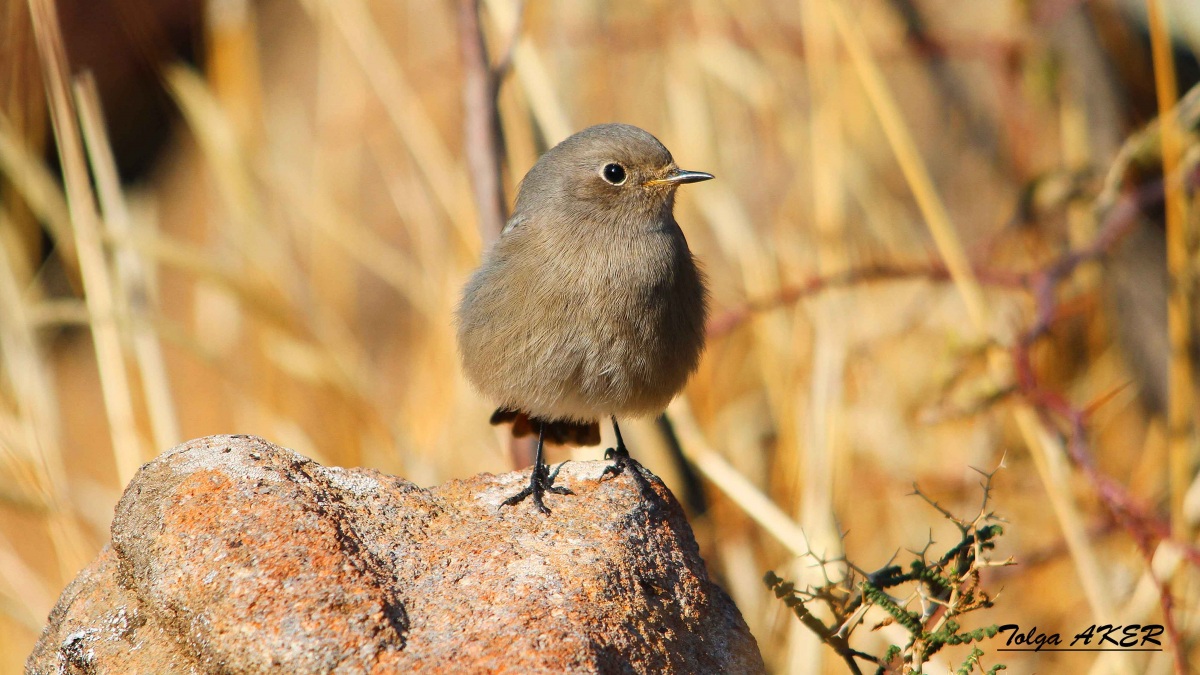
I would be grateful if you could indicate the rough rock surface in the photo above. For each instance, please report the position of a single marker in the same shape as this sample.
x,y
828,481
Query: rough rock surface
x,y
233,555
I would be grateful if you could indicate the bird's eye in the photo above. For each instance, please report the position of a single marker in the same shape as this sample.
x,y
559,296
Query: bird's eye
x,y
613,173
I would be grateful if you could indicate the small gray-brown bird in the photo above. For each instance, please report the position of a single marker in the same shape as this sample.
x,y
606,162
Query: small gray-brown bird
x,y
590,305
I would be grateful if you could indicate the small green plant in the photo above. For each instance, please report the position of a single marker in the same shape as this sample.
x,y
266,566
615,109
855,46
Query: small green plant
x,y
942,589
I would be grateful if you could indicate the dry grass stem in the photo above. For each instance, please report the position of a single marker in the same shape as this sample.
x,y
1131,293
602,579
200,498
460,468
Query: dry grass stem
x,y
136,296
85,221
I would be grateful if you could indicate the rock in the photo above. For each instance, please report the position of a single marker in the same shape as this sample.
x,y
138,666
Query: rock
x,y
233,555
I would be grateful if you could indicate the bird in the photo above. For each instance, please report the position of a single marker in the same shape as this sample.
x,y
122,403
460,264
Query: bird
x,y
589,305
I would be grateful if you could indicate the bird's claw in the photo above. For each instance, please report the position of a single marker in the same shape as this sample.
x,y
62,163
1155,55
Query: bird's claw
x,y
620,460
539,484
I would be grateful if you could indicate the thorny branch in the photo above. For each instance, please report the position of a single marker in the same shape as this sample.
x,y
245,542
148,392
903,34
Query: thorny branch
x,y
947,587
1040,283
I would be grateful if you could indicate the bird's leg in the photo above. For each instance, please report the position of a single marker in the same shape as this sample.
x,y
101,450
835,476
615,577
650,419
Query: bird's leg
x,y
621,459
541,480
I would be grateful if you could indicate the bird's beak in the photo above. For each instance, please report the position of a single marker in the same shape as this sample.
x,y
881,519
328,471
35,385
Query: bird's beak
x,y
679,177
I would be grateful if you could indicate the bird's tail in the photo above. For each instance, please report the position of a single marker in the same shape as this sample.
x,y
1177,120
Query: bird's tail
x,y
558,432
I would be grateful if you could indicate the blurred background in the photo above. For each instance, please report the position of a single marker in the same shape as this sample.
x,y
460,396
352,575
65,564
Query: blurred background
x,y
242,216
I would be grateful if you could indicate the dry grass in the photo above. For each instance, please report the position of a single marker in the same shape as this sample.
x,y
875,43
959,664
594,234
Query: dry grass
x,y
291,268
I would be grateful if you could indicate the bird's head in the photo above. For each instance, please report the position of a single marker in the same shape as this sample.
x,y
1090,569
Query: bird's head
x,y
609,173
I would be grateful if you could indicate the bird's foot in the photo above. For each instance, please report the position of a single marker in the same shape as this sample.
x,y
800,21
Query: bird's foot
x,y
620,461
540,482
